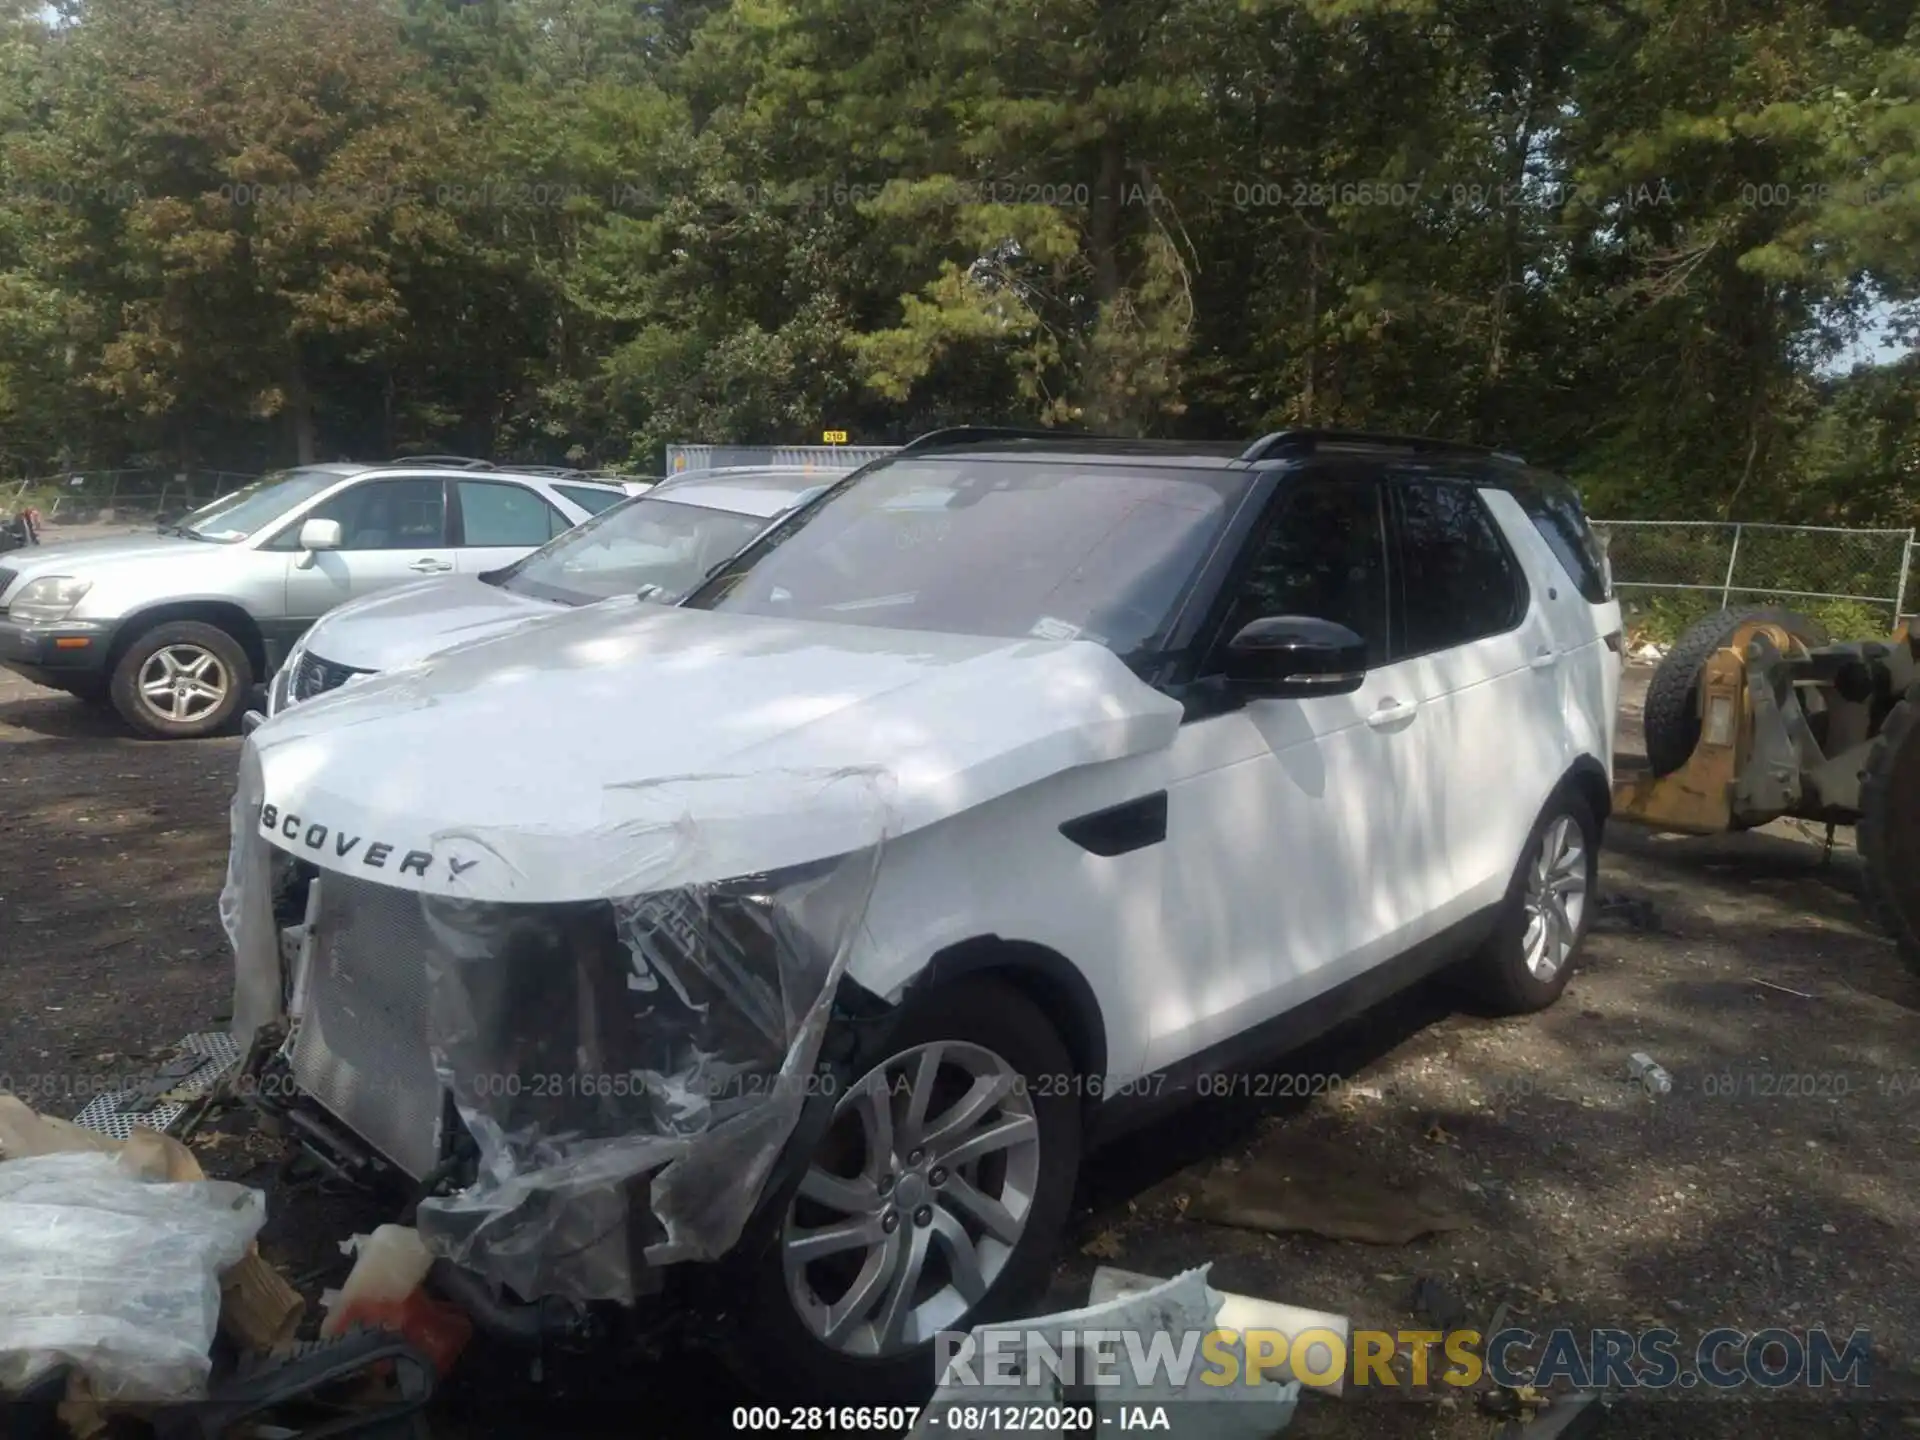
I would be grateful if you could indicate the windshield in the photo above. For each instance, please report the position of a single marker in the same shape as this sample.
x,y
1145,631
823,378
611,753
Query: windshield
x,y
668,545
1005,548
245,511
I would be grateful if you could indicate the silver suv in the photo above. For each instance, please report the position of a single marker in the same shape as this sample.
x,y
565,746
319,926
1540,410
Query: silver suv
x,y
173,628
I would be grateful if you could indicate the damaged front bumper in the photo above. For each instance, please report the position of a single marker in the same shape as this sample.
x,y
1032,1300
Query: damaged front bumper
x,y
579,1093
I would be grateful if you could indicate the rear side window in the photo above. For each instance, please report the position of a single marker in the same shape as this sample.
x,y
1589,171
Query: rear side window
x,y
1556,513
497,515
1458,584
591,498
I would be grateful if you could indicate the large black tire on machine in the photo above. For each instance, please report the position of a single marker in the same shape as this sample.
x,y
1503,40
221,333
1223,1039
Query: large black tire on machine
x,y
1889,829
1671,715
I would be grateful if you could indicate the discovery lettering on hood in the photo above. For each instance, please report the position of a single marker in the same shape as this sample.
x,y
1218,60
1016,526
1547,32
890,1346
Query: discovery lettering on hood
x,y
314,836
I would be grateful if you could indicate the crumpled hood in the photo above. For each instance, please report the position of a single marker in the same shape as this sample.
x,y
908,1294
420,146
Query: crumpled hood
x,y
398,626
627,747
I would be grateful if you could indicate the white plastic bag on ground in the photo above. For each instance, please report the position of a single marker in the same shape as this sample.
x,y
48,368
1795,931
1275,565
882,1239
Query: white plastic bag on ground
x,y
115,1275
1162,1326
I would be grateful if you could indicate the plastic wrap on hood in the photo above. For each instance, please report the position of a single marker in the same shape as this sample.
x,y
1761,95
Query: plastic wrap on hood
x,y
246,907
630,1070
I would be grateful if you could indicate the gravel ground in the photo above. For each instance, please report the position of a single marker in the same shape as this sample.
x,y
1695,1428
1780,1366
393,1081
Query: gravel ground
x,y
1777,1185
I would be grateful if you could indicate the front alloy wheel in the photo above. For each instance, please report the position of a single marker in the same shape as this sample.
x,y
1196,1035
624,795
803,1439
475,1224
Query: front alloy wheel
x,y
917,1200
183,684
933,1200
180,680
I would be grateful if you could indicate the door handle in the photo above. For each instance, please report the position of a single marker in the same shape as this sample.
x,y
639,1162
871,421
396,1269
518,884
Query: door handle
x,y
1545,658
430,567
1391,712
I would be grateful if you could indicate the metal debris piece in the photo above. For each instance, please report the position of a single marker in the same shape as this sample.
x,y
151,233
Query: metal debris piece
x,y
1649,1073
201,1063
1569,1417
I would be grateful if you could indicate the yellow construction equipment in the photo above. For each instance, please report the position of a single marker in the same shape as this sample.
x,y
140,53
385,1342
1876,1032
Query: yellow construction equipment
x,y
1754,716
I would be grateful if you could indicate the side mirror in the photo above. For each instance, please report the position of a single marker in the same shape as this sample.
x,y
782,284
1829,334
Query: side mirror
x,y
315,536
1291,657
321,535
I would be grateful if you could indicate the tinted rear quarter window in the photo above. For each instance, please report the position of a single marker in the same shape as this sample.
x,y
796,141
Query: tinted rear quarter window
x,y
1556,512
1458,584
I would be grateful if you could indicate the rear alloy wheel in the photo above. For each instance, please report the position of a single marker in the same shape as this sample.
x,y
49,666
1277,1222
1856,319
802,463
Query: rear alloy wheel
x,y
933,1201
1555,902
1528,959
181,680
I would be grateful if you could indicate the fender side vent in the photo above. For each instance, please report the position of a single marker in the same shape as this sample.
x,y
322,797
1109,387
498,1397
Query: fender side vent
x,y
1118,829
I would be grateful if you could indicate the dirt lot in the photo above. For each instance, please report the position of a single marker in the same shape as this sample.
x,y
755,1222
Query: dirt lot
x,y
1777,1185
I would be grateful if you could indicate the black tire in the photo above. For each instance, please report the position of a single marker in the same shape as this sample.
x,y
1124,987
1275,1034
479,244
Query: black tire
x,y
1498,972
1889,829
1672,713
236,676
771,1347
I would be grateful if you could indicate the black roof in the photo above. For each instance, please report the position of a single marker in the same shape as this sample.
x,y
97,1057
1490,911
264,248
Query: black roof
x,y
1280,445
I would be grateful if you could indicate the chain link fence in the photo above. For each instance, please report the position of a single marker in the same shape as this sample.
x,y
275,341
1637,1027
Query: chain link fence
x,y
82,496
683,459
1669,573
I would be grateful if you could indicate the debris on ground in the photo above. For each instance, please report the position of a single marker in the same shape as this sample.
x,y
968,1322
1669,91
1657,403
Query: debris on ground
x,y
1437,1305
1629,914
384,1291
1239,1313
1568,1417
1647,1071
25,1132
1320,1189
1183,1305
115,1273
366,1383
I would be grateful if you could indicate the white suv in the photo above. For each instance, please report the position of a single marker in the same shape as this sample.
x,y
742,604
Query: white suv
x,y
172,628
1188,753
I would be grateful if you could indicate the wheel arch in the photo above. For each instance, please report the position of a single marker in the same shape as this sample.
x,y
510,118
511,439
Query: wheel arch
x,y
1587,778
1041,973
227,615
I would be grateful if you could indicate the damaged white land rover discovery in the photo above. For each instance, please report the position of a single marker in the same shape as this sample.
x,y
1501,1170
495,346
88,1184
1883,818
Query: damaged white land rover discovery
x,y
783,952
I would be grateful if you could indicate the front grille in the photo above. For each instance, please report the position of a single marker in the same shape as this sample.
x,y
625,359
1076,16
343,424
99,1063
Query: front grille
x,y
361,1050
314,676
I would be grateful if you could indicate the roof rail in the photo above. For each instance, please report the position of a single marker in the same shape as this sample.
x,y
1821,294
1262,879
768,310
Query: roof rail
x,y
458,462
1280,442
986,435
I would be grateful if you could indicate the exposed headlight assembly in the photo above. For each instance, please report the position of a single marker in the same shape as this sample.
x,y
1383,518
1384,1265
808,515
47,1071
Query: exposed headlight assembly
x,y
50,598
280,688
